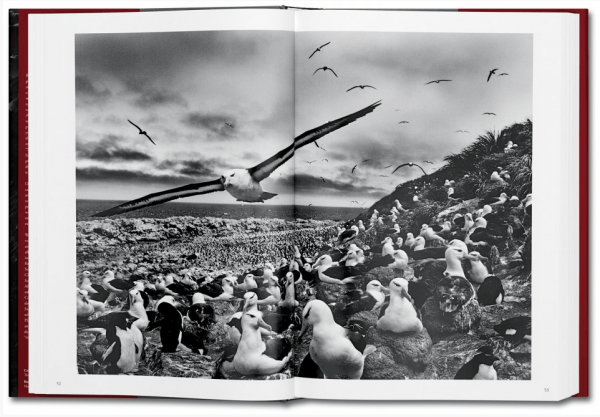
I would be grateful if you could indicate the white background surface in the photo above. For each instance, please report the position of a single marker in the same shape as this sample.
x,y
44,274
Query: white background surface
x,y
193,407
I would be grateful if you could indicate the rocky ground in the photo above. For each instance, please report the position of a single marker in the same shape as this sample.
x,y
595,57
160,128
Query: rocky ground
x,y
146,247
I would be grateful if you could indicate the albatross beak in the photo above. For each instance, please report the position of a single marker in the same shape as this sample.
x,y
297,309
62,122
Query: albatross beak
x,y
261,323
223,181
405,294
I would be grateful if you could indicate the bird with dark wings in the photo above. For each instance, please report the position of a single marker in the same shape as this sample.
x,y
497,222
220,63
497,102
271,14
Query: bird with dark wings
x,y
325,69
318,49
492,72
410,164
362,87
142,132
436,81
242,183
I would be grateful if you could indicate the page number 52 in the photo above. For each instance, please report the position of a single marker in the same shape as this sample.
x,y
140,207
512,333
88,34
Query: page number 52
x,y
545,389
58,383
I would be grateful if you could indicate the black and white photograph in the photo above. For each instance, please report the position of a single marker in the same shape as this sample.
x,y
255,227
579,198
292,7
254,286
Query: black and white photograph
x,y
264,205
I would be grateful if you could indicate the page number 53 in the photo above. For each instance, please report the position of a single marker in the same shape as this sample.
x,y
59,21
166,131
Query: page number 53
x,y
58,383
545,389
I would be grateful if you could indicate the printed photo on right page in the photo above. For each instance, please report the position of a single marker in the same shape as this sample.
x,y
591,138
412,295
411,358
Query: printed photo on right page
x,y
431,280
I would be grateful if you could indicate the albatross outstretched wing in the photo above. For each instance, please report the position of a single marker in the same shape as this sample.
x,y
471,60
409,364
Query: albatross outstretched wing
x,y
265,168
400,166
164,196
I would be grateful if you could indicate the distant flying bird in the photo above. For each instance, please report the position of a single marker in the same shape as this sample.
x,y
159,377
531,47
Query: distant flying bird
x,y
325,159
229,124
354,201
242,184
362,87
436,81
310,162
364,160
318,49
322,179
428,162
462,131
410,164
387,167
353,168
492,72
325,69
141,131
309,205
386,176
403,121
491,114
504,73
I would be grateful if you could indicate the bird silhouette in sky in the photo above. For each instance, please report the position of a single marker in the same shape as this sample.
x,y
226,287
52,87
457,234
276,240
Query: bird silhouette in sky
x,y
229,124
436,81
325,69
504,73
410,164
403,121
365,160
142,132
462,131
310,162
325,159
387,166
353,168
428,162
318,49
492,72
385,176
362,87
322,179
491,114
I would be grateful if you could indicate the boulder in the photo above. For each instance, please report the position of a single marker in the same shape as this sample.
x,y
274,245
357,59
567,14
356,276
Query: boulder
x,y
409,349
181,364
368,317
382,274
450,354
329,293
440,323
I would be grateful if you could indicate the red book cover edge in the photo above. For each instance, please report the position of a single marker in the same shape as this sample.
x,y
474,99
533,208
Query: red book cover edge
x,y
583,187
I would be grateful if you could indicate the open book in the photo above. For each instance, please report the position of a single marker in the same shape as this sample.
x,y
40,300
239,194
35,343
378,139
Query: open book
x,y
278,204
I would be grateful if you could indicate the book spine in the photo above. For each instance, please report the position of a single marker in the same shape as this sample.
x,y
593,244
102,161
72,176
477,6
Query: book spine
x,y
23,214
13,210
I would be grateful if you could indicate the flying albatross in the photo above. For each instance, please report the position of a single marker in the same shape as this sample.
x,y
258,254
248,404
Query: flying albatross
x,y
142,132
241,183
410,164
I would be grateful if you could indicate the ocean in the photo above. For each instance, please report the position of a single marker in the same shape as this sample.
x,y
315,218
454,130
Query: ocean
x,y
86,208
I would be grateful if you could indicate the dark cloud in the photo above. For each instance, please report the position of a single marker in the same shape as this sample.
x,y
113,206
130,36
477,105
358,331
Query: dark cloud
x,y
157,97
311,185
87,91
108,149
195,168
99,174
214,123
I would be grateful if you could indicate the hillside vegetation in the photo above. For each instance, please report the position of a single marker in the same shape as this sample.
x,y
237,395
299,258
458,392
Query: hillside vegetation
x,y
471,170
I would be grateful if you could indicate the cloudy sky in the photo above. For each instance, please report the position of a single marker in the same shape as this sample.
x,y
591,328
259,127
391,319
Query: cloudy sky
x,y
184,87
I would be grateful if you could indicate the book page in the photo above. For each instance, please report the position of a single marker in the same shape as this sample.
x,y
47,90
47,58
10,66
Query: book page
x,y
444,172
190,115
